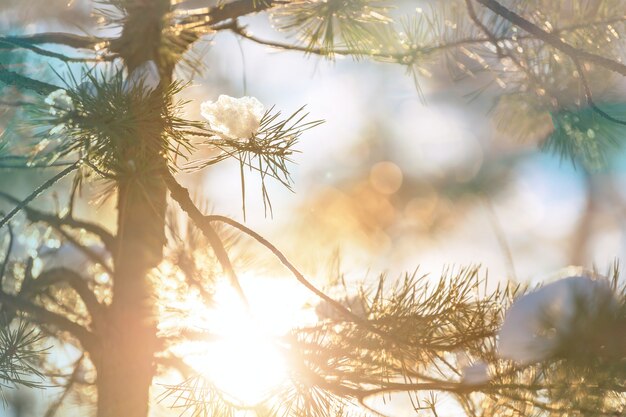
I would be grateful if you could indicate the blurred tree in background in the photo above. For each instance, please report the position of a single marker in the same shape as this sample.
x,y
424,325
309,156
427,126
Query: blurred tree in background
x,y
104,253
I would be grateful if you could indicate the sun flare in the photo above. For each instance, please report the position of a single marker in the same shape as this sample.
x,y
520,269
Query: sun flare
x,y
242,355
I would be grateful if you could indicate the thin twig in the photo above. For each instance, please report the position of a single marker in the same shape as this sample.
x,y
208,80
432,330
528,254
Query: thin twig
x,y
40,51
72,379
589,96
43,187
232,10
35,215
207,219
7,255
59,38
21,81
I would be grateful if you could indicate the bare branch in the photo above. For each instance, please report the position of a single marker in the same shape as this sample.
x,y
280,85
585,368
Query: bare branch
x,y
42,316
389,55
203,221
72,379
11,43
232,10
181,195
492,38
589,96
54,276
43,187
59,38
7,255
21,81
35,215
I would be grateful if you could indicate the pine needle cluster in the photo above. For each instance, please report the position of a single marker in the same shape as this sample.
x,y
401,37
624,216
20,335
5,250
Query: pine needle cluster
x,y
20,355
115,123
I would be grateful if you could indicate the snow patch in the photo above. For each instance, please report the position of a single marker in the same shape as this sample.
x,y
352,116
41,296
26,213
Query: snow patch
x,y
233,118
535,322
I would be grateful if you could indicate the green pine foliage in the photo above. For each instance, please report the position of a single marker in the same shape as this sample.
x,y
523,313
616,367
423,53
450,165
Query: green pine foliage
x,y
268,152
112,123
20,355
585,136
327,25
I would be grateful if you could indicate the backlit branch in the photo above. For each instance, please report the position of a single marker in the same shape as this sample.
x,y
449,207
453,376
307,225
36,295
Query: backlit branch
x,y
44,317
7,256
57,222
589,96
72,278
23,82
181,195
552,39
43,187
10,43
67,388
59,38
204,222
232,10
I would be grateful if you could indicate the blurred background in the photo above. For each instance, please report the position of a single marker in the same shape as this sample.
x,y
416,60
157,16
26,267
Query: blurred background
x,y
389,183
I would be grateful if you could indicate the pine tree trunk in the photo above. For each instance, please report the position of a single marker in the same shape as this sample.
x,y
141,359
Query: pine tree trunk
x,y
125,367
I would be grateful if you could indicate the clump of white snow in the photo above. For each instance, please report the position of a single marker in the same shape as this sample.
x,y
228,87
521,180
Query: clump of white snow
x,y
233,118
60,102
536,321
475,374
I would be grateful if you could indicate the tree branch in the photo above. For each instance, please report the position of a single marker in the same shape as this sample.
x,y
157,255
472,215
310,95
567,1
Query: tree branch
x,y
43,187
54,276
44,317
391,56
483,28
205,221
20,81
589,96
552,39
11,43
35,215
181,195
72,379
232,10
7,256
59,38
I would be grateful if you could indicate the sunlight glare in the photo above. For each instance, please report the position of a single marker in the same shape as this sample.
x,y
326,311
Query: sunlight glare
x,y
243,359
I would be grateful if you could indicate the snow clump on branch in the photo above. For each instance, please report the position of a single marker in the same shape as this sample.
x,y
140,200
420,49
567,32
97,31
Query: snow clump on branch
x,y
60,102
537,323
233,118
